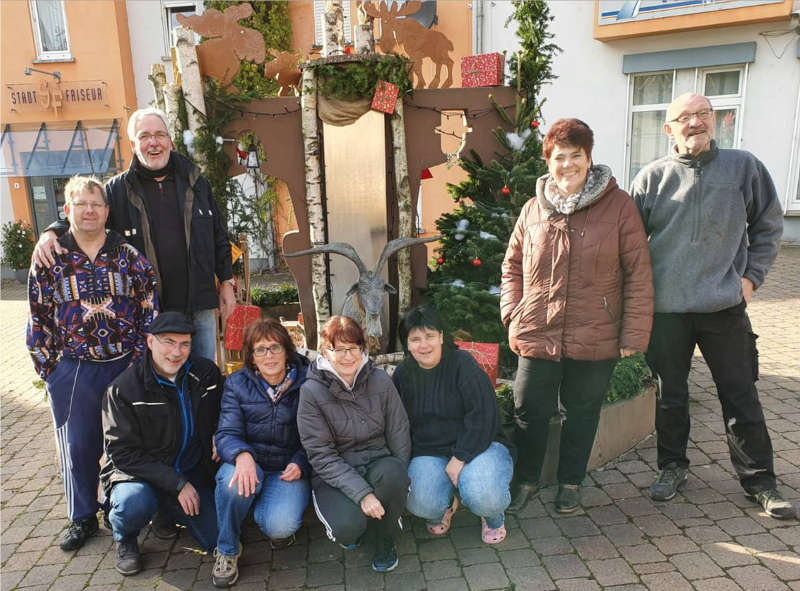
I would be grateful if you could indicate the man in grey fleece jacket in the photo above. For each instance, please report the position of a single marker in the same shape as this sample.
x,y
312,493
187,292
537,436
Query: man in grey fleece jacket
x,y
714,223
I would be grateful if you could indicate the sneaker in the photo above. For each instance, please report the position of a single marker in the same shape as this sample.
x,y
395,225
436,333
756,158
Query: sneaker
x,y
281,543
226,570
666,486
774,504
521,494
567,498
163,527
77,533
129,561
352,546
385,557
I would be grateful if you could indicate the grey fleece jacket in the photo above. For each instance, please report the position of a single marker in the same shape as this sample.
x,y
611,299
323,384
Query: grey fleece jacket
x,y
710,220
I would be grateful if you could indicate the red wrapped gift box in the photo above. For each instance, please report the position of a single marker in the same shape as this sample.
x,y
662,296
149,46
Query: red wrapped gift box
x,y
242,317
482,70
385,97
486,354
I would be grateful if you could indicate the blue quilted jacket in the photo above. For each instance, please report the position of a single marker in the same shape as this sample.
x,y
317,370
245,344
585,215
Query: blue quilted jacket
x,y
250,421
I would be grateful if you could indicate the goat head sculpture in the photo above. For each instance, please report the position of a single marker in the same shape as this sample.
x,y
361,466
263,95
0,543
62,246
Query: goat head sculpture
x,y
364,299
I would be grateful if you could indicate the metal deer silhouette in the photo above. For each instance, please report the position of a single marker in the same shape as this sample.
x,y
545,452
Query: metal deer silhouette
x,y
285,69
364,299
228,41
418,42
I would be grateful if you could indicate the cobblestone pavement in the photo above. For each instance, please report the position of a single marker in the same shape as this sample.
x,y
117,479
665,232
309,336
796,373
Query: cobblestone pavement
x,y
708,538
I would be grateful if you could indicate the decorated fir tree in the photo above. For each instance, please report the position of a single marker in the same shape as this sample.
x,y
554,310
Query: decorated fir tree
x,y
465,283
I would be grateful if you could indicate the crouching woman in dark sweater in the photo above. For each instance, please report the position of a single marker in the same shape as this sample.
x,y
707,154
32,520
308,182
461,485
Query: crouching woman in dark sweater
x,y
455,431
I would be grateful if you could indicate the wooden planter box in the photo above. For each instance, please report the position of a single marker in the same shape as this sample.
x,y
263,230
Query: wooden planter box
x,y
622,425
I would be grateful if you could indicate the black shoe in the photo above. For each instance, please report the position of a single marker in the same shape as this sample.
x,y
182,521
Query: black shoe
x,y
521,494
281,543
163,527
78,532
385,557
567,498
129,561
666,486
774,504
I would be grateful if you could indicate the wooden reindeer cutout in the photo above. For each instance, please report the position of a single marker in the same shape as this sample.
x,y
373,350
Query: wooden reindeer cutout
x,y
228,41
417,42
285,68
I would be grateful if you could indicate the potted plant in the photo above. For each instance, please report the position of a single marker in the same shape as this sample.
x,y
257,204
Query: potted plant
x,y
18,242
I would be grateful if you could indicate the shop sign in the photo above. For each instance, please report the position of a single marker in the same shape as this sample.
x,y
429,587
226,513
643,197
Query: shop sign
x,y
55,95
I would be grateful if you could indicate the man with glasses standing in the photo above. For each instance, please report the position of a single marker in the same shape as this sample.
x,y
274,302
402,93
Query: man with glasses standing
x,y
163,206
714,223
88,317
159,417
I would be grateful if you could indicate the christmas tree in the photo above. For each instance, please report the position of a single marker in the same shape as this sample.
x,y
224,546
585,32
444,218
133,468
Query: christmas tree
x,y
465,282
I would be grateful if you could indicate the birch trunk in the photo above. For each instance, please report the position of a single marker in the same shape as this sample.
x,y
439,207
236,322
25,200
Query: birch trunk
x,y
191,80
365,38
171,99
405,209
333,29
158,79
316,219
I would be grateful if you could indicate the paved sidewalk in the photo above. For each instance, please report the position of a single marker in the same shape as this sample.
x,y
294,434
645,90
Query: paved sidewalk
x,y
708,538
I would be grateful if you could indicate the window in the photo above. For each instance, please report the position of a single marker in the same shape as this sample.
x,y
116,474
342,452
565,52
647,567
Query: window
x,y
650,97
172,9
319,12
793,183
724,88
50,30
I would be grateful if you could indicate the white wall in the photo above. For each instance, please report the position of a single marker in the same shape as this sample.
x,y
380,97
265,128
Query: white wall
x,y
592,87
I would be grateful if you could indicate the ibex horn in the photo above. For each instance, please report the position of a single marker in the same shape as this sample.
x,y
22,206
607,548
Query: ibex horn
x,y
398,244
341,248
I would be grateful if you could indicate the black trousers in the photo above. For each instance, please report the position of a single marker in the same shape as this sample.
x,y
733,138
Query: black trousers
x,y
540,383
343,519
728,345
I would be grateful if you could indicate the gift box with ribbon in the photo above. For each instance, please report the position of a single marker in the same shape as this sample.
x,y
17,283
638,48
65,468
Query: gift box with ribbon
x,y
385,97
485,69
486,354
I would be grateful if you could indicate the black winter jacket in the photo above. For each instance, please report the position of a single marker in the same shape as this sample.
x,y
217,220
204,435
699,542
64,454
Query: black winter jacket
x,y
141,418
344,430
207,245
250,422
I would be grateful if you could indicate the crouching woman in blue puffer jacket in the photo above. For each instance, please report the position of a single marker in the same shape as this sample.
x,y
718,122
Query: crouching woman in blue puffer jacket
x,y
257,440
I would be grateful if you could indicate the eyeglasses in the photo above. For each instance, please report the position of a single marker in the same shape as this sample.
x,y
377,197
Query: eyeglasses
x,y
183,345
342,353
161,136
88,204
703,115
273,349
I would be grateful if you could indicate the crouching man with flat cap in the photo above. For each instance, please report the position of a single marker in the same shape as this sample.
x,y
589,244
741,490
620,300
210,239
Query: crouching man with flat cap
x,y
159,417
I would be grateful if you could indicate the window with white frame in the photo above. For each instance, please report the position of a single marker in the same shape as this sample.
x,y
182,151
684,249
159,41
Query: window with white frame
x,y
171,10
319,11
793,185
650,95
725,89
49,21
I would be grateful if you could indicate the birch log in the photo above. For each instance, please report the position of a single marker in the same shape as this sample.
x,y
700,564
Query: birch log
x,y
191,81
405,209
365,36
171,97
158,78
333,29
316,218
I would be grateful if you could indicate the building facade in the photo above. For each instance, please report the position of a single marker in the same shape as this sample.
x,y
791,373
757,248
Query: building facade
x,y
623,61
67,91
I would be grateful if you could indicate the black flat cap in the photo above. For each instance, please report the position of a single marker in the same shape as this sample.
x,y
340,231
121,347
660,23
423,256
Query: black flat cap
x,y
174,322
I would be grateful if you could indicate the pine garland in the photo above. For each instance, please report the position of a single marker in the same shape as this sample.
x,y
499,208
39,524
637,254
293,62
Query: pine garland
x,y
351,81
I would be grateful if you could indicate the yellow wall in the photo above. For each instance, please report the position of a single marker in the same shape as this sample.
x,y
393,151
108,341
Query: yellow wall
x,y
100,48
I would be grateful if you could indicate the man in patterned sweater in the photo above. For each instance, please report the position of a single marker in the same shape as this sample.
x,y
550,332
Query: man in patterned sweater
x,y
89,314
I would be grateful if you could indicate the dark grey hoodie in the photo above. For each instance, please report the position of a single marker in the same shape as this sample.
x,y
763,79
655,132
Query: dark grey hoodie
x,y
710,220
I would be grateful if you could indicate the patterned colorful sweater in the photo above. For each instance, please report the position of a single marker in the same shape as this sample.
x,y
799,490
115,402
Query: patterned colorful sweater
x,y
90,310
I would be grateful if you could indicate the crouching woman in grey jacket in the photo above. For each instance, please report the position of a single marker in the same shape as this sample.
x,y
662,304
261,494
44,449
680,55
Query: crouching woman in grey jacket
x,y
355,430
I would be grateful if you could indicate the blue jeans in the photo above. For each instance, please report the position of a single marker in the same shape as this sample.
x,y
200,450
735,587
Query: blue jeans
x,y
278,512
482,485
204,339
133,505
